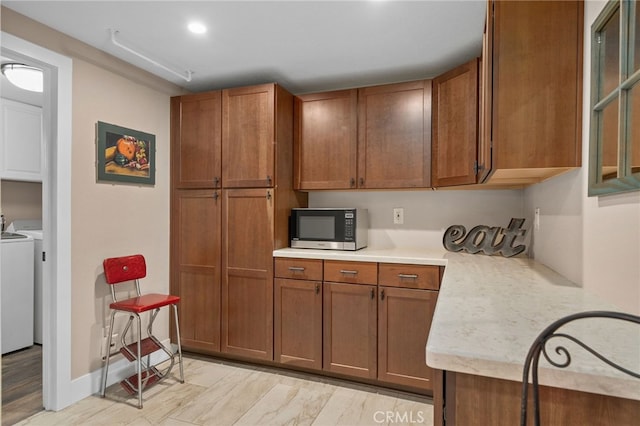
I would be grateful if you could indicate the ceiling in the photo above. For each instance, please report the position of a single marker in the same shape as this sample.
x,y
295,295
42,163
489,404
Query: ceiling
x,y
306,46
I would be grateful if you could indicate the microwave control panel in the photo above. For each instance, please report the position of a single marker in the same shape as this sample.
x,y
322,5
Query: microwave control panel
x,y
348,226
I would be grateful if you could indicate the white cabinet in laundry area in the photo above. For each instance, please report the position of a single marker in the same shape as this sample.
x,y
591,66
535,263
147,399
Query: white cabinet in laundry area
x,y
21,140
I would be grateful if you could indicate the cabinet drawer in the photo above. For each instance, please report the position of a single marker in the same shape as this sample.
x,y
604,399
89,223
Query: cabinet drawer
x,y
298,269
425,277
351,272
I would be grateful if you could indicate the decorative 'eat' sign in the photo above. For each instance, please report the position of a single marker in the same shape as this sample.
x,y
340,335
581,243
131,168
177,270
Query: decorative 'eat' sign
x,y
489,240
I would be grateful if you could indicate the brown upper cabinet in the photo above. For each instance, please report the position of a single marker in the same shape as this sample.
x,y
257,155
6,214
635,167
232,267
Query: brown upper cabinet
x,y
532,104
196,140
455,126
394,135
255,120
326,140
375,137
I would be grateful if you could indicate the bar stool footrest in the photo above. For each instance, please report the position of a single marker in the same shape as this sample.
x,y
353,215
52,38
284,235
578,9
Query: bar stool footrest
x,y
147,346
150,375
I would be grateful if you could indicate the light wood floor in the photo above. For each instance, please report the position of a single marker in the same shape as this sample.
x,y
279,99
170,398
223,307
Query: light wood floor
x,y
21,384
225,393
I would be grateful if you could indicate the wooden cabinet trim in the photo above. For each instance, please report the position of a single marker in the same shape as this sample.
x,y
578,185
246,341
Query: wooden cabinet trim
x,y
298,269
425,277
351,272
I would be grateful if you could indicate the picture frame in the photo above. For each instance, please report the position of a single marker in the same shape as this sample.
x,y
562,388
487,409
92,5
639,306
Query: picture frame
x,y
125,155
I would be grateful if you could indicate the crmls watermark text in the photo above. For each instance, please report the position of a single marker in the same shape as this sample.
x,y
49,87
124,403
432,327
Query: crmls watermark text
x,y
404,417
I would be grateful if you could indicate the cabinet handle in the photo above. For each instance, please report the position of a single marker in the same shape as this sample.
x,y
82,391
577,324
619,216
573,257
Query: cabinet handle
x,y
296,268
382,294
373,294
361,181
215,195
348,272
268,195
352,182
408,276
317,288
216,181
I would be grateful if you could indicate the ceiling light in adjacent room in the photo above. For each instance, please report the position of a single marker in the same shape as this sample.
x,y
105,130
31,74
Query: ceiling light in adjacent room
x,y
24,76
197,28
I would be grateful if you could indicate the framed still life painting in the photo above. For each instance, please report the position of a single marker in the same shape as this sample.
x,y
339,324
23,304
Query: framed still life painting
x,y
125,155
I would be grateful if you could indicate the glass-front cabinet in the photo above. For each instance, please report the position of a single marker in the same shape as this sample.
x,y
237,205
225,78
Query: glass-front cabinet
x,y
614,154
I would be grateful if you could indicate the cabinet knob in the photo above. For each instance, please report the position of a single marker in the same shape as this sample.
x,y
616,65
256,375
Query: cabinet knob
x,y
216,181
382,294
268,195
361,181
373,293
317,288
269,180
215,195
352,182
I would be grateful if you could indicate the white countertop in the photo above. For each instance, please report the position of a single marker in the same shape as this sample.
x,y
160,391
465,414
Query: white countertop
x,y
490,309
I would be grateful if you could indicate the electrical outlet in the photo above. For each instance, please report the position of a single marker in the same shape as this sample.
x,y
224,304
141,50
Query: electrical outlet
x,y
536,219
114,345
398,215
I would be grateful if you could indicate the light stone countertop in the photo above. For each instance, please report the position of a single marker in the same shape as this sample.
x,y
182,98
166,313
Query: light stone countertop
x,y
490,309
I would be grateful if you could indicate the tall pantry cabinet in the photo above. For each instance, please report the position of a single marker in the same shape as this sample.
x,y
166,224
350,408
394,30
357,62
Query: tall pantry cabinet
x,y
231,194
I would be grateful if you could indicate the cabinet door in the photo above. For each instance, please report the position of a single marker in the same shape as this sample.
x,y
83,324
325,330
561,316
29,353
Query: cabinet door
x,y
403,327
247,281
195,254
21,142
298,323
248,136
537,87
349,329
394,135
196,126
455,126
326,128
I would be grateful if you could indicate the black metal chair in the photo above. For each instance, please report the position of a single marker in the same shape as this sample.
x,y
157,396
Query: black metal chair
x,y
539,346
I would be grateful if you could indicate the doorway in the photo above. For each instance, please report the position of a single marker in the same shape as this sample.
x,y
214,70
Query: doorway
x,y
56,221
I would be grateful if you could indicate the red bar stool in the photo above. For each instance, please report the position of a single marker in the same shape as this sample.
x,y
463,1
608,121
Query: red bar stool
x,y
132,268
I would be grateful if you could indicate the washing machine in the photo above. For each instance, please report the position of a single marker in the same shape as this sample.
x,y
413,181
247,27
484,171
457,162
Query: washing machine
x,y
16,291
33,229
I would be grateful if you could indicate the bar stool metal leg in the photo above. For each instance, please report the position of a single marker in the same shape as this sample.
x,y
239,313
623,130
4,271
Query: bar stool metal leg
x,y
139,361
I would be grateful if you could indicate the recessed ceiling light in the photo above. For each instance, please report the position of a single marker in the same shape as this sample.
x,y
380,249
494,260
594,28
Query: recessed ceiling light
x,y
24,76
197,28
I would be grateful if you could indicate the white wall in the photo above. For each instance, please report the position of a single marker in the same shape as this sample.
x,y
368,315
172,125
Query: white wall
x,y
592,240
427,214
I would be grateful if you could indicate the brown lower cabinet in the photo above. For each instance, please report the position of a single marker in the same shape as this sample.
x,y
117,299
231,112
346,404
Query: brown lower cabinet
x,y
298,323
372,322
195,253
404,320
350,335
247,278
471,400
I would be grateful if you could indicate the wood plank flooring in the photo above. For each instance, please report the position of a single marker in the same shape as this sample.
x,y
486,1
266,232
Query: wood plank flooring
x,y
21,384
225,393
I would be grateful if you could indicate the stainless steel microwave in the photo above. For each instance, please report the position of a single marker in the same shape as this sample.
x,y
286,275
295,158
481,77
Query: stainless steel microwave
x,y
329,228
